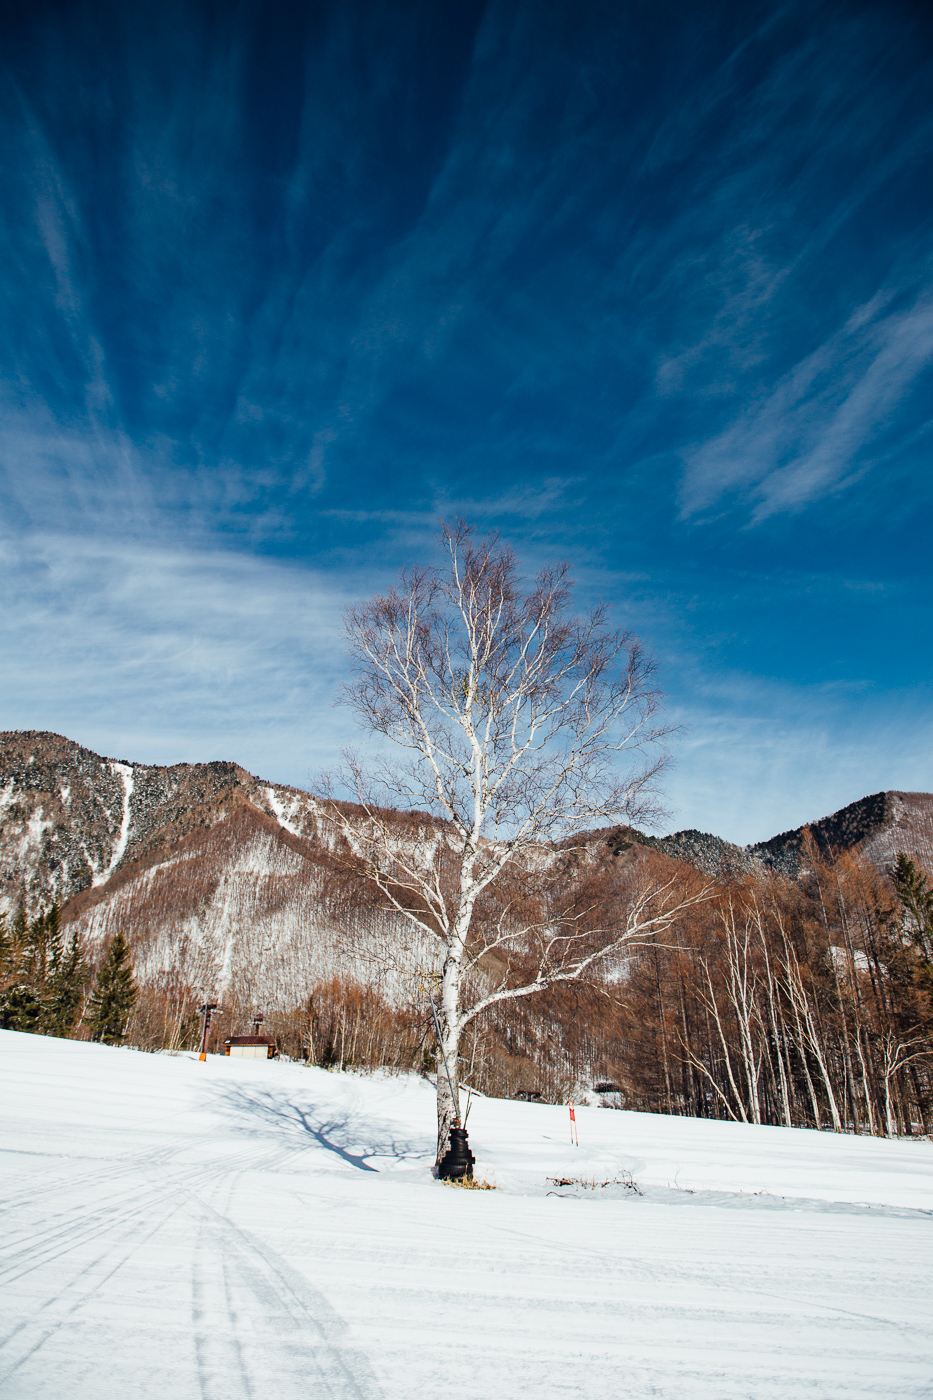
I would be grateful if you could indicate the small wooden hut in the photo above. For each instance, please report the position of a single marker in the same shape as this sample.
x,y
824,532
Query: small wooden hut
x,y
250,1047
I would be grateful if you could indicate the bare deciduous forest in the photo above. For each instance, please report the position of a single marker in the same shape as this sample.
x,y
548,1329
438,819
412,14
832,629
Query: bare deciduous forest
x,y
807,1004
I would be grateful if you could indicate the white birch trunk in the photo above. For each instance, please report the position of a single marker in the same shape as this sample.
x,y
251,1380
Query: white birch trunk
x,y
448,1089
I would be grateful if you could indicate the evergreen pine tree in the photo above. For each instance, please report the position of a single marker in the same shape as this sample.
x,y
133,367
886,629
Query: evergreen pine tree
x,y
21,1009
114,995
53,935
66,988
916,896
21,1006
39,947
19,940
915,893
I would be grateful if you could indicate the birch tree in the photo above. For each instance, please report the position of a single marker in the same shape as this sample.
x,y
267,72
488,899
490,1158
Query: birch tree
x,y
505,716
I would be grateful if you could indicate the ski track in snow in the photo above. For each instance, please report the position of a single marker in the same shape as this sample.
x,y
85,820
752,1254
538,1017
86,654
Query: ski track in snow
x,y
236,1229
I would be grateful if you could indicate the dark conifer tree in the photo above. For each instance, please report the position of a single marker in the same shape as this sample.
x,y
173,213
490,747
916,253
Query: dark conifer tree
x,y
39,949
21,1009
114,996
53,934
19,940
66,988
915,893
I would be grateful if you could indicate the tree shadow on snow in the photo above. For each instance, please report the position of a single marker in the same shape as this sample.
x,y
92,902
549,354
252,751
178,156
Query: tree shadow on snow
x,y
339,1135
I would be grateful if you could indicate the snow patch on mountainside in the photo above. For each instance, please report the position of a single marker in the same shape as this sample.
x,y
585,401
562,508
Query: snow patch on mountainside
x,y
285,814
211,916
126,776
34,832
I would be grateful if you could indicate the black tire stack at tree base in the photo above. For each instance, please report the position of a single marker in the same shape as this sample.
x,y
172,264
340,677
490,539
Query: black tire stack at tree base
x,y
458,1161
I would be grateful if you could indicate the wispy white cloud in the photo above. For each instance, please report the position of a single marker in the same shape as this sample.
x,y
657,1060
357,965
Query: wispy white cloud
x,y
764,310
764,757
172,652
821,423
531,263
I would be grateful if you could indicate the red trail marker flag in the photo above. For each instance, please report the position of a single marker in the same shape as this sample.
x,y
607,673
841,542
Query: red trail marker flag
x,y
573,1126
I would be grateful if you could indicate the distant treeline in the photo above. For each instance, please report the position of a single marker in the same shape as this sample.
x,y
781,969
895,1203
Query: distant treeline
x,y
806,1003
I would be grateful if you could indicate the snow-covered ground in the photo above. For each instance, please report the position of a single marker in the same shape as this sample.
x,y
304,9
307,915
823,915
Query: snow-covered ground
x,y
238,1229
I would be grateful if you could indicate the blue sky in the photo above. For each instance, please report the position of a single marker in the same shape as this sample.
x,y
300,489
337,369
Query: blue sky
x,y
642,285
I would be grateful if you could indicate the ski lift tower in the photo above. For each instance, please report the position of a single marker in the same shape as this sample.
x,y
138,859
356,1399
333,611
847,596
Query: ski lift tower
x,y
205,1011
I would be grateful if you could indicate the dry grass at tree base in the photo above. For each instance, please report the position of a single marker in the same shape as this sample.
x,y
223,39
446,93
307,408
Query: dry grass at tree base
x,y
470,1183
591,1184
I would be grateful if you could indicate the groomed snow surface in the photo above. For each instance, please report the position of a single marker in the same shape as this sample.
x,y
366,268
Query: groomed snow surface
x,y
233,1229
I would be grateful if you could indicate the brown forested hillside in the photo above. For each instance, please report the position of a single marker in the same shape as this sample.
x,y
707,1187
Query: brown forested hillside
x,y
798,992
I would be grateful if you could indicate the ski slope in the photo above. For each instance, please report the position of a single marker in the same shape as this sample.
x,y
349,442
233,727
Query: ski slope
x,y
233,1229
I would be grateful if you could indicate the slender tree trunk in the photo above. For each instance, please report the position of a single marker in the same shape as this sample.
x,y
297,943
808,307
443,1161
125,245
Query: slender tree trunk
x,y
816,1044
890,1125
852,977
690,1088
866,1082
448,1084
777,1034
713,1008
742,996
663,1028
310,1050
793,994
918,1101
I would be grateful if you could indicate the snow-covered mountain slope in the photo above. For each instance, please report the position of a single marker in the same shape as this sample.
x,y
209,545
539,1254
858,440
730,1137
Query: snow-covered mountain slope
x,y
220,878
235,1229
215,875
238,902
70,820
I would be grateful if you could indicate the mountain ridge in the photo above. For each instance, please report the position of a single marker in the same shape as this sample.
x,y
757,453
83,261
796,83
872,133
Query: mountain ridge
x,y
223,880
73,822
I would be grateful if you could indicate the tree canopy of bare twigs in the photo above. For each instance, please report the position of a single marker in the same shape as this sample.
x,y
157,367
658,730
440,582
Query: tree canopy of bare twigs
x,y
507,716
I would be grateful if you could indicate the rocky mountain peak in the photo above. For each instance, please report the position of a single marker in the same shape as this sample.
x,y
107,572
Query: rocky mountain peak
x,y
69,818
878,826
